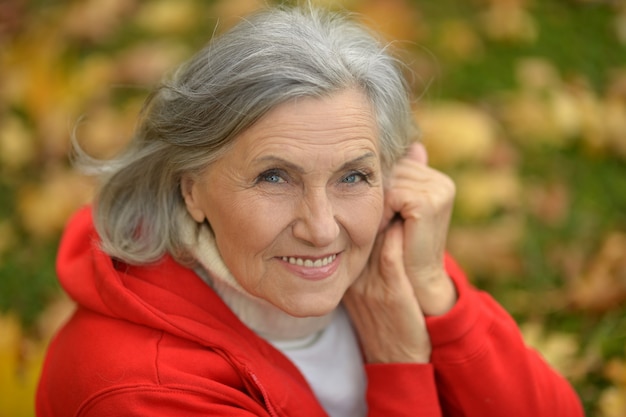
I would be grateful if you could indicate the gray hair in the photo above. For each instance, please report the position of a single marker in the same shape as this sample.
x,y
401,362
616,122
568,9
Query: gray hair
x,y
191,119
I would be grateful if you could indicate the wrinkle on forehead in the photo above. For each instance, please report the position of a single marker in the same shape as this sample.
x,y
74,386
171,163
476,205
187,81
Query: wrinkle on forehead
x,y
345,119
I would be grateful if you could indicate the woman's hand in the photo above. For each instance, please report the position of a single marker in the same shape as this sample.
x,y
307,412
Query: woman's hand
x,y
383,308
405,278
423,198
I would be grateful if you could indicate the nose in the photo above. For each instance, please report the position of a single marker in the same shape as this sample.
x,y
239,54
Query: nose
x,y
316,222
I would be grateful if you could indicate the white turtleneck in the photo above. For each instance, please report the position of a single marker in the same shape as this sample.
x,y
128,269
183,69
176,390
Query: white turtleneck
x,y
325,349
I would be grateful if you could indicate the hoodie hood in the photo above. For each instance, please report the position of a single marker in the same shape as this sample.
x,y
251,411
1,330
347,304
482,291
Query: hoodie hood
x,y
168,297
164,295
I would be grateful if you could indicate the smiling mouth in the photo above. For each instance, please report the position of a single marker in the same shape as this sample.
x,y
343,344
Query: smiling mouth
x,y
310,263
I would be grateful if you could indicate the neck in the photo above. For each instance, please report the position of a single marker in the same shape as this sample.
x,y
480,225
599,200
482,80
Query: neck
x,y
265,319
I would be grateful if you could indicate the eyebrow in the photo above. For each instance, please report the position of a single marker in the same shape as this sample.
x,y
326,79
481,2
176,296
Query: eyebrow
x,y
290,165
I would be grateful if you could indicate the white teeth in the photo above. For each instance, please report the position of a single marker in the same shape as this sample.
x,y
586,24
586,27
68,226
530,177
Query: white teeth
x,y
308,263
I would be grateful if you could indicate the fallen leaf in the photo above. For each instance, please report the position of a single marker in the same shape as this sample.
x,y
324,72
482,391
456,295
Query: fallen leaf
x,y
105,131
559,349
591,114
147,62
489,250
12,17
54,316
535,119
615,370
91,80
510,22
455,132
568,259
483,192
549,202
17,145
602,286
396,20
168,16
537,74
20,364
44,208
459,40
612,402
619,24
96,20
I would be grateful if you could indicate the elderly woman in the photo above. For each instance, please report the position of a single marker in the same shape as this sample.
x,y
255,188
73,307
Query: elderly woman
x,y
271,244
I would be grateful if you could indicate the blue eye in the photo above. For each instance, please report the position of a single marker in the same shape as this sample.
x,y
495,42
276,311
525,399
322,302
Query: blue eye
x,y
354,177
271,176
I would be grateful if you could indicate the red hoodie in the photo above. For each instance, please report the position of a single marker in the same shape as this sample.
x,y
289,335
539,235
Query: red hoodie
x,y
157,341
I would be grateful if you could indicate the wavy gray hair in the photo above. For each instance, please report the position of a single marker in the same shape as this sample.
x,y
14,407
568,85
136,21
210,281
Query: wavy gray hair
x,y
190,120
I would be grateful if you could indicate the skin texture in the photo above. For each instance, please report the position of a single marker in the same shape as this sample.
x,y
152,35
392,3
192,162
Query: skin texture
x,y
306,182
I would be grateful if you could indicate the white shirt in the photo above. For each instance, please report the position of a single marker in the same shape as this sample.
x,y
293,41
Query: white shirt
x,y
331,362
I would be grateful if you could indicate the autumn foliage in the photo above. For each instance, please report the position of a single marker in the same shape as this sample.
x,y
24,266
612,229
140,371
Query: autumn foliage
x,y
522,102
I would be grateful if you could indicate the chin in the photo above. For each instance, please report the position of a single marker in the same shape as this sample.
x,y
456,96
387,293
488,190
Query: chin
x,y
312,308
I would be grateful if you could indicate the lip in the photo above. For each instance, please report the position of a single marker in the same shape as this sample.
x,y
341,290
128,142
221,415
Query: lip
x,y
312,273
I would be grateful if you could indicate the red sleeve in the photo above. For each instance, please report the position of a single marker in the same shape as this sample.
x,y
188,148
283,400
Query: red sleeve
x,y
402,390
482,366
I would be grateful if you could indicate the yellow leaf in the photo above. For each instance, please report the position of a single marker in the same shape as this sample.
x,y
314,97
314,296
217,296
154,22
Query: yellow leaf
x,y
619,23
394,19
603,285
489,250
481,192
553,117
95,19
612,402
45,208
459,40
508,21
20,364
147,62
17,147
558,349
105,131
537,74
454,132
91,79
54,316
615,370
168,16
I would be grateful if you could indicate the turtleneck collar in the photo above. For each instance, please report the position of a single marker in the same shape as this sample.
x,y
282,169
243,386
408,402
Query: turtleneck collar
x,y
263,318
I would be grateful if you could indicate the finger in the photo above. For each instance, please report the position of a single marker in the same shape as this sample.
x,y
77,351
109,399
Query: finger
x,y
376,249
392,253
372,264
417,152
385,220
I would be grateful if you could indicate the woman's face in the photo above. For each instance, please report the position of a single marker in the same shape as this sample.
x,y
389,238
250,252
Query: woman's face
x,y
296,203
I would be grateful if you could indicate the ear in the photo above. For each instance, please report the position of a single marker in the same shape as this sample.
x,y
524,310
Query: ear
x,y
189,188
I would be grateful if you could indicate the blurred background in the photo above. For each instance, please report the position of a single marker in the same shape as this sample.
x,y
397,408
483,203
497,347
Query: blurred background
x,y
522,102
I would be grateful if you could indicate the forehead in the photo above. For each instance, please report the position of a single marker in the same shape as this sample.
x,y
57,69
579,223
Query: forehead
x,y
342,122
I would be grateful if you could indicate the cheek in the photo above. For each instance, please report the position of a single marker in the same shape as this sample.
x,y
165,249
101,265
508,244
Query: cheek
x,y
362,219
249,226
